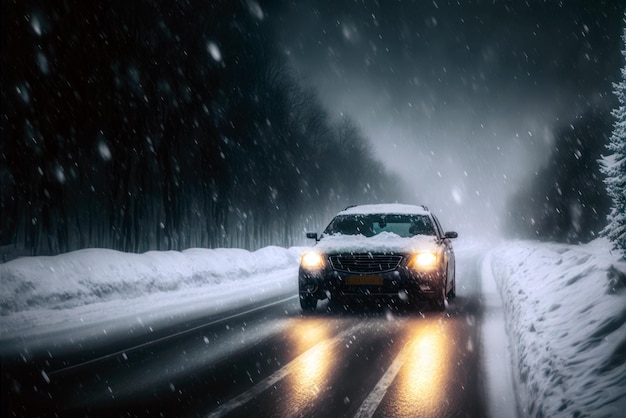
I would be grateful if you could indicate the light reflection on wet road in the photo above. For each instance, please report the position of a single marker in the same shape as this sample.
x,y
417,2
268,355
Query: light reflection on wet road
x,y
366,362
405,366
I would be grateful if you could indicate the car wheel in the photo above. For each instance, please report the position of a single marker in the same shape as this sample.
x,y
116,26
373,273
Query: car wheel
x,y
308,303
452,293
440,299
337,302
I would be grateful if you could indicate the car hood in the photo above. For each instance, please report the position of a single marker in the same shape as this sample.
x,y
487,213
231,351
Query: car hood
x,y
385,242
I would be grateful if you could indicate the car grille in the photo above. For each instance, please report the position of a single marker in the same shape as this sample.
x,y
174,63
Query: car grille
x,y
365,263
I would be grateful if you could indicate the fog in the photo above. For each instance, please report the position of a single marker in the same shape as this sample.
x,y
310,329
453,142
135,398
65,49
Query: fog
x,y
461,99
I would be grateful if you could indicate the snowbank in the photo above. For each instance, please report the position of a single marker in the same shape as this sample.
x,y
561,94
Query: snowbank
x,y
96,275
566,318
94,285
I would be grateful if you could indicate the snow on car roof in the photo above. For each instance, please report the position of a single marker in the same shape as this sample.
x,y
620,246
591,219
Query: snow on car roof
x,y
386,208
385,242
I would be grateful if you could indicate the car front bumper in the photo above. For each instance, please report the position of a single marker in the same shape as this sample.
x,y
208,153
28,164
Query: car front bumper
x,y
403,283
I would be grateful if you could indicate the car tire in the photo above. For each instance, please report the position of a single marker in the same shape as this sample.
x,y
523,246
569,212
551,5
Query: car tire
x,y
452,293
440,300
308,303
337,302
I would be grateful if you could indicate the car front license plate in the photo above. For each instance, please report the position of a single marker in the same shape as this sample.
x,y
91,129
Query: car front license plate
x,y
364,280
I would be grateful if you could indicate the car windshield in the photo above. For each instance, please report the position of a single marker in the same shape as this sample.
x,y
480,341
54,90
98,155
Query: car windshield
x,y
369,225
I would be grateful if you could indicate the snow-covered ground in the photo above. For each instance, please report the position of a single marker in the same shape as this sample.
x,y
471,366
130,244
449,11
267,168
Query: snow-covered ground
x,y
565,307
85,295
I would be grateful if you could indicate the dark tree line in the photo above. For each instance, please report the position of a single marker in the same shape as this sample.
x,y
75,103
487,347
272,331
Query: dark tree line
x,y
566,200
144,125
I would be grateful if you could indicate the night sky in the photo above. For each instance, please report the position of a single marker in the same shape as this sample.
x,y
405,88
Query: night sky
x,y
461,98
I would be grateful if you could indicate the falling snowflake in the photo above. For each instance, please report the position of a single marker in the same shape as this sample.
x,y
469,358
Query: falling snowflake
x,y
256,10
215,52
103,149
456,195
42,62
36,24
59,173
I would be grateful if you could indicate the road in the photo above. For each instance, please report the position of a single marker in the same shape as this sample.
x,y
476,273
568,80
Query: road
x,y
273,361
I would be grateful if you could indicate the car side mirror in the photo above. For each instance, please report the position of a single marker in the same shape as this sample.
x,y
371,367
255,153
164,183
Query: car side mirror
x,y
312,235
451,234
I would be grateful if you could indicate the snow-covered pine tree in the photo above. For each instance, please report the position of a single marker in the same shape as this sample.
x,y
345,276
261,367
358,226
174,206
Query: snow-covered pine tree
x,y
614,165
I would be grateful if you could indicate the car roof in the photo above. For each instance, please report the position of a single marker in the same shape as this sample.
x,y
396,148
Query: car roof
x,y
385,208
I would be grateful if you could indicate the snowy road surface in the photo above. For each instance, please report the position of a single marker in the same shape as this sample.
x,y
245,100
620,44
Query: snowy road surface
x,y
273,361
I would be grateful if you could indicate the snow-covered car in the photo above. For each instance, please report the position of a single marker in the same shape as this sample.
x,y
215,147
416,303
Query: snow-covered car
x,y
384,251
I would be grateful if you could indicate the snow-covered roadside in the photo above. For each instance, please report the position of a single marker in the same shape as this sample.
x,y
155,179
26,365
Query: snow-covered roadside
x,y
85,294
502,401
565,309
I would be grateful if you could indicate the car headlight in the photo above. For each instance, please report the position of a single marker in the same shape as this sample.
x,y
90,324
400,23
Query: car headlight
x,y
312,260
426,260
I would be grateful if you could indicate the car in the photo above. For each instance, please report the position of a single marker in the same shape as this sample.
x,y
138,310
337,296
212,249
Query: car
x,y
379,252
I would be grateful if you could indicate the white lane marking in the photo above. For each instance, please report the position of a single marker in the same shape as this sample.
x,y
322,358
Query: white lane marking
x,y
370,404
271,380
167,337
368,407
